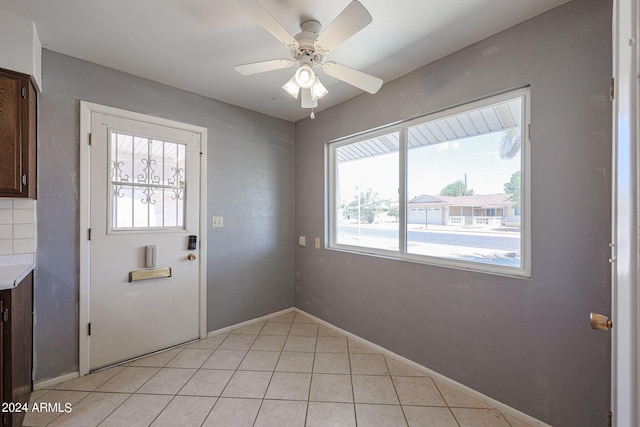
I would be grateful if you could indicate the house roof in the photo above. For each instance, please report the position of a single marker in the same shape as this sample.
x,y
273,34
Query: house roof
x,y
427,199
486,200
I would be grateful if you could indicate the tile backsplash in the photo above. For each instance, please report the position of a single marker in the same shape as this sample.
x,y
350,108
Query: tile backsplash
x,y
17,226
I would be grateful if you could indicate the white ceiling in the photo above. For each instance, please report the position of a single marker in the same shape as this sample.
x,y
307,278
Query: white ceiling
x,y
194,44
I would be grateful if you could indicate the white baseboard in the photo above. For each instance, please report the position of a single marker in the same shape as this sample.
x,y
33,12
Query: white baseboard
x,y
249,322
486,399
52,382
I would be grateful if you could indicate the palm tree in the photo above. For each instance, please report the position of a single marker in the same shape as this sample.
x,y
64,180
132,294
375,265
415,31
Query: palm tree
x,y
456,189
510,143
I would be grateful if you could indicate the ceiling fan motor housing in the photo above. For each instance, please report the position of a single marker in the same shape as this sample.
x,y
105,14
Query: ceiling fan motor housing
x,y
306,52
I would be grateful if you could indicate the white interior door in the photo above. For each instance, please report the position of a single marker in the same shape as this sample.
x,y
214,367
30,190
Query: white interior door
x,y
144,192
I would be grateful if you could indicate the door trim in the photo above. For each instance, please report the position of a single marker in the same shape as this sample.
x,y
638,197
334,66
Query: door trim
x,y
625,296
86,110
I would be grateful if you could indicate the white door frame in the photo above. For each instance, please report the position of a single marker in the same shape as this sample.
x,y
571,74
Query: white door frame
x,y
86,110
625,296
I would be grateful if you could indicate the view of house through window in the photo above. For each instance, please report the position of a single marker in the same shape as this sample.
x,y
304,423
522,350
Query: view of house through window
x,y
461,199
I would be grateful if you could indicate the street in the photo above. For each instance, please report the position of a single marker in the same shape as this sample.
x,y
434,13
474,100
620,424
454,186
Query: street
x,y
488,240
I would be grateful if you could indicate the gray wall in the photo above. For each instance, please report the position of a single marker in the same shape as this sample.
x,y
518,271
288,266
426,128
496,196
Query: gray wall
x,y
250,182
524,342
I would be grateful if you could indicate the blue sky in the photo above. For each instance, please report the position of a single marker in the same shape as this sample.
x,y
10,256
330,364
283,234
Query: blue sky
x,y
432,167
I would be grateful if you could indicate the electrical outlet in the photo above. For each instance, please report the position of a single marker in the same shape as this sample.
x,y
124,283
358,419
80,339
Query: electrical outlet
x,y
217,222
317,243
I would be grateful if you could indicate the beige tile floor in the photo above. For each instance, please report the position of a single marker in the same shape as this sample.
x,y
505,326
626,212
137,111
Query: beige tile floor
x,y
287,371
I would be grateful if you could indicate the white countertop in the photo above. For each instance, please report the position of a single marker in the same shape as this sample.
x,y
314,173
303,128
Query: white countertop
x,y
14,268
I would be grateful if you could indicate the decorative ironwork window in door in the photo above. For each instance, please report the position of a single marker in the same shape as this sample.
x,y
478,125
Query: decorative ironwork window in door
x,y
147,182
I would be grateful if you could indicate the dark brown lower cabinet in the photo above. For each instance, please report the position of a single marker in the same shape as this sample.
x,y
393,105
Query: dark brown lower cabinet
x,y
16,350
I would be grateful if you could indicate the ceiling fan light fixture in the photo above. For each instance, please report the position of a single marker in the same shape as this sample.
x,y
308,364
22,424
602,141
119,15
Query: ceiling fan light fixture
x,y
305,76
292,87
308,49
317,89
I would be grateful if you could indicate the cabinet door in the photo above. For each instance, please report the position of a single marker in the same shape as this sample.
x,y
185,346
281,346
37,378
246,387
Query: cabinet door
x,y
17,135
17,350
1,350
10,134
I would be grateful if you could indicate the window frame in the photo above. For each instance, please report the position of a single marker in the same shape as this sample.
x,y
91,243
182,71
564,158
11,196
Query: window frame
x,y
524,271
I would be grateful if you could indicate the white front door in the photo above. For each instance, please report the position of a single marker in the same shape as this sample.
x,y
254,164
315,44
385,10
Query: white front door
x,y
144,206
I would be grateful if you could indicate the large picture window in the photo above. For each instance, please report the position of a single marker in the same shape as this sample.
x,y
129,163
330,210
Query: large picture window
x,y
450,188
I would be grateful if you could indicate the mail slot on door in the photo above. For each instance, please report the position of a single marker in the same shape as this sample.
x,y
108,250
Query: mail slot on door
x,y
150,271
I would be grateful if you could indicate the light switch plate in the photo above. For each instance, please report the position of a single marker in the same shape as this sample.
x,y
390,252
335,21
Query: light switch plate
x,y
217,222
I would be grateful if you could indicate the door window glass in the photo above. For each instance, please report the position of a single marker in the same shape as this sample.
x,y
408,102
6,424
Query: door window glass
x,y
147,182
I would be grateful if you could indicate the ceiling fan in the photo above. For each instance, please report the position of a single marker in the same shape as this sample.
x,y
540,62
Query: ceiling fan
x,y
309,48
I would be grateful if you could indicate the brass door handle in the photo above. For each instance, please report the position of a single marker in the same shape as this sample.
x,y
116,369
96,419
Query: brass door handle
x,y
191,257
600,322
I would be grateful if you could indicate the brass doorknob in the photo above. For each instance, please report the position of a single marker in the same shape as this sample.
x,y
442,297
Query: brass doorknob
x,y
600,322
191,257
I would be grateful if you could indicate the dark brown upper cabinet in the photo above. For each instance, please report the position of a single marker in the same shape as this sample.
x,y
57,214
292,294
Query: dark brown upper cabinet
x,y
17,135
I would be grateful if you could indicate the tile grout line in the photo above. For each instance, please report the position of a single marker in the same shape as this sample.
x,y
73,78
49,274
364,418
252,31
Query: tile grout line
x,y
204,420
107,416
225,386
271,378
187,382
353,391
231,377
89,393
395,389
313,365
117,407
315,351
135,392
445,401
35,400
162,410
176,394
238,368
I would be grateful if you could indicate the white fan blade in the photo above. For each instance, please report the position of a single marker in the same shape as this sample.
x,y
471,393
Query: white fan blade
x,y
307,100
264,18
351,20
261,67
353,77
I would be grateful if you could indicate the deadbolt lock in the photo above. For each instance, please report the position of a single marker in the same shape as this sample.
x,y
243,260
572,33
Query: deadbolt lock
x,y
191,257
600,322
